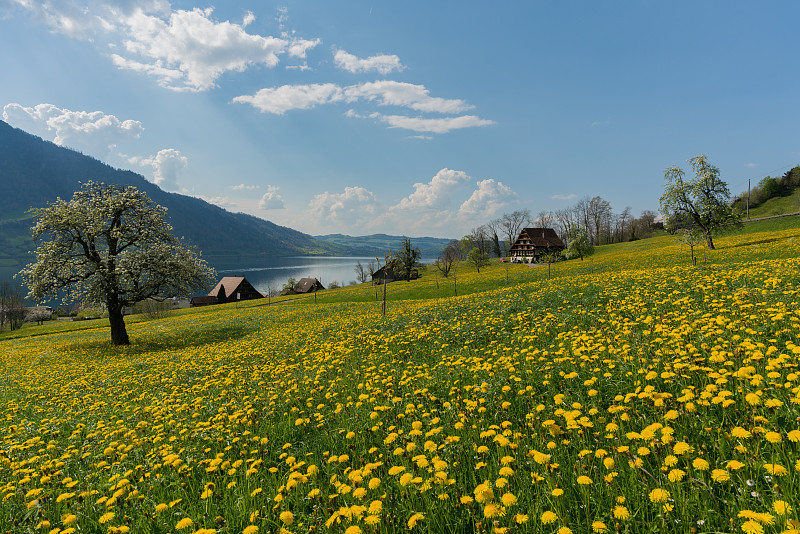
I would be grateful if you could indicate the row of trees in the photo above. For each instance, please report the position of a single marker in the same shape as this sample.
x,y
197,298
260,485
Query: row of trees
x,y
590,219
12,306
770,187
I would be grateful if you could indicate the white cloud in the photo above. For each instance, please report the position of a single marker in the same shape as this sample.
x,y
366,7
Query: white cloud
x,y
440,126
751,164
416,97
281,99
282,16
435,194
86,20
299,47
248,19
186,50
221,201
354,206
244,187
564,197
92,132
167,165
200,48
271,200
490,197
383,63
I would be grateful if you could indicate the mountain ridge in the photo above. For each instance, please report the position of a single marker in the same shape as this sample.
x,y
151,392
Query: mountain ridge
x,y
34,172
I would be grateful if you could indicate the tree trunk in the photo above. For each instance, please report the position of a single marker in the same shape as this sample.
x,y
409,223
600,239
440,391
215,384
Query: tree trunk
x,y
119,335
709,241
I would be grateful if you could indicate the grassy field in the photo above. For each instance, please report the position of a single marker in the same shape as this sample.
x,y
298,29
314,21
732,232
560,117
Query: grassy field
x,y
778,205
633,392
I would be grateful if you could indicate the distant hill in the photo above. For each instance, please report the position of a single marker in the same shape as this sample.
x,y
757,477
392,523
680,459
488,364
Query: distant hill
x,y
34,172
379,244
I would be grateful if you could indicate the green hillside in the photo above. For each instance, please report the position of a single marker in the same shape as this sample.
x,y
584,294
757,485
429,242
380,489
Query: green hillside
x,y
34,172
779,205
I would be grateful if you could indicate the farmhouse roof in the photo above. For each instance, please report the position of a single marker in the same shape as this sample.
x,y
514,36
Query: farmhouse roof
x,y
230,283
306,285
542,237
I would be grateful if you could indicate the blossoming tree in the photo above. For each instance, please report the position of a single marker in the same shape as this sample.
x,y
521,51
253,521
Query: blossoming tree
x,y
111,244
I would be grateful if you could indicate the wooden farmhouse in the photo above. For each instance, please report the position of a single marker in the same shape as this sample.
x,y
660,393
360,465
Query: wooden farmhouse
x,y
393,271
308,285
535,243
304,285
234,289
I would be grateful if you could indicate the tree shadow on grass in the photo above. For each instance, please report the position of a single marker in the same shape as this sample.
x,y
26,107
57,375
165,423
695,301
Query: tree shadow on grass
x,y
166,339
755,242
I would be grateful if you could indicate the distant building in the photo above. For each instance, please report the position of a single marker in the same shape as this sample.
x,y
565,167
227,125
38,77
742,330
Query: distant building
x,y
234,289
202,301
534,243
308,285
393,271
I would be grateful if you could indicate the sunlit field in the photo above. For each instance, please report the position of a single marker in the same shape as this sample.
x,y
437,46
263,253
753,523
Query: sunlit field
x,y
633,392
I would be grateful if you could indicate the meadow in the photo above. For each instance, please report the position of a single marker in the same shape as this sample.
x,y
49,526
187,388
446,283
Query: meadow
x,y
633,392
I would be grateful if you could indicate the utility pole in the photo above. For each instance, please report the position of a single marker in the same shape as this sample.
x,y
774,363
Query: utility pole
x,y
748,199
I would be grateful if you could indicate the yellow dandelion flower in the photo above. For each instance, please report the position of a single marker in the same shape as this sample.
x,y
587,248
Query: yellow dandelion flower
x,y
620,512
564,530
720,475
773,437
492,510
287,517
184,523
414,519
508,499
374,483
161,507
659,495
599,526
352,529
775,469
583,480
676,475
250,529
106,517
781,508
752,527
520,519
69,519
466,499
700,464
548,517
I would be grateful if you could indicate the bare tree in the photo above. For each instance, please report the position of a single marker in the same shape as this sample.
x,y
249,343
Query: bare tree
x,y
564,220
12,305
598,215
362,275
495,228
447,258
545,219
513,223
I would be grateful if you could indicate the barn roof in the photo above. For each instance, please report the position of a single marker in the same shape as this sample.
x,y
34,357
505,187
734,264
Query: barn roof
x,y
230,283
542,237
304,285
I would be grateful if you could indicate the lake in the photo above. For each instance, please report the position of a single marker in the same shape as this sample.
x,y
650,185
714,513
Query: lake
x,y
274,273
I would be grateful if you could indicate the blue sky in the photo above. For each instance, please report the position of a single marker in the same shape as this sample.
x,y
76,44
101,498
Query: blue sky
x,y
417,118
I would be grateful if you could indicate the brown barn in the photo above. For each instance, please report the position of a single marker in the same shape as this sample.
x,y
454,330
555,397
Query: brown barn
x,y
304,285
393,271
202,301
234,289
534,243
308,285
